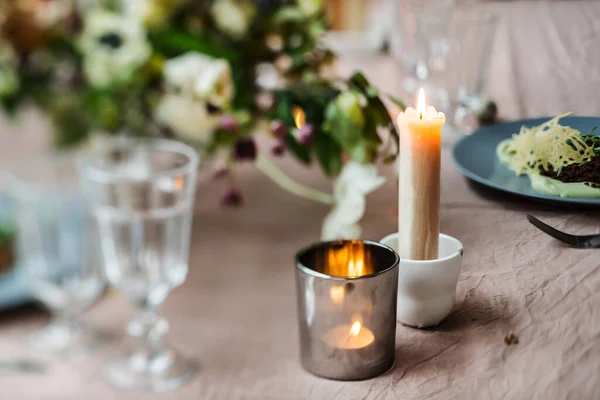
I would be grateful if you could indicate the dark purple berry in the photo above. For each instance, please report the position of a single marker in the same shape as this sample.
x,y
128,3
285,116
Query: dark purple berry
x,y
74,22
279,148
278,128
245,149
229,124
305,135
232,198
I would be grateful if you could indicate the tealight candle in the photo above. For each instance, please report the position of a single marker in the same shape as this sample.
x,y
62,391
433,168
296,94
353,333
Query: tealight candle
x,y
419,188
347,294
353,336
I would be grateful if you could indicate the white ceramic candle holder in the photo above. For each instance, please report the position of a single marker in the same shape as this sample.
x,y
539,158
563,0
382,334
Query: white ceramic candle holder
x,y
427,289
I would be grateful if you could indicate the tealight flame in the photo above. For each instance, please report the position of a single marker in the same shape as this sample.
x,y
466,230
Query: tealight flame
x,y
421,105
355,330
336,294
299,116
351,260
356,267
179,182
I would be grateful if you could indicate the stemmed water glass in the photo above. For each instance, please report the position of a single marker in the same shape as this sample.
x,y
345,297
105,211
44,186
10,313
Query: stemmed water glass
x,y
420,39
57,247
472,32
141,193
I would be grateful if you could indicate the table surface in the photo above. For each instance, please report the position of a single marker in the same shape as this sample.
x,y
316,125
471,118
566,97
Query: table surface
x,y
236,314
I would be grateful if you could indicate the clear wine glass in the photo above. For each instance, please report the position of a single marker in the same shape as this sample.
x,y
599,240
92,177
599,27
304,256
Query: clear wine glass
x,y
142,194
472,33
57,246
420,39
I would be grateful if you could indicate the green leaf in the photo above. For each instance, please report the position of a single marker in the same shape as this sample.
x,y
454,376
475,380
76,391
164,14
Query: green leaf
x,y
288,14
349,136
224,139
374,118
359,81
7,234
301,152
372,92
283,110
103,108
11,105
329,154
175,42
70,133
398,102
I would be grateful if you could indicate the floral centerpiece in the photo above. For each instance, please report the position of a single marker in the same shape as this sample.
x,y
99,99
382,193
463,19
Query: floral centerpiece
x,y
213,73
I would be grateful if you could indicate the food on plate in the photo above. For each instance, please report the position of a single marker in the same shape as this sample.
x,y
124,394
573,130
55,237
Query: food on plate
x,y
558,159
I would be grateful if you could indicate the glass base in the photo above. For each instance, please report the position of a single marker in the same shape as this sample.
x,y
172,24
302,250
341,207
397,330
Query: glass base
x,y
166,370
67,339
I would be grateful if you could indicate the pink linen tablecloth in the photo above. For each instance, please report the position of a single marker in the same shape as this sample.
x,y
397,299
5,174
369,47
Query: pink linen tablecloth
x,y
236,313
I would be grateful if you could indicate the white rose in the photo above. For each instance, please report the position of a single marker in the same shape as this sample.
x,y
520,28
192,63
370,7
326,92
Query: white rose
x,y
187,117
233,17
114,47
202,76
349,192
310,8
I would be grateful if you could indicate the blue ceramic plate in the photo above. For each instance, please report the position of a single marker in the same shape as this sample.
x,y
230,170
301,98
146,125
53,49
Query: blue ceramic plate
x,y
13,285
475,157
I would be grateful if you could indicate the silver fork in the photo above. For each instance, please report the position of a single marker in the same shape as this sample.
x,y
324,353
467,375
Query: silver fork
x,y
582,242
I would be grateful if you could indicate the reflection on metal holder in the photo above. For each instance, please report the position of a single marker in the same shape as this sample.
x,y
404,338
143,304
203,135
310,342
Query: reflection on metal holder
x,y
346,293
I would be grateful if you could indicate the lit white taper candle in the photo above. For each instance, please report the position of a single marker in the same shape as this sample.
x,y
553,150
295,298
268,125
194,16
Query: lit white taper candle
x,y
419,189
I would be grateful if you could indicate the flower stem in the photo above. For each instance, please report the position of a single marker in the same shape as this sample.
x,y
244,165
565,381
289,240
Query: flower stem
x,y
272,171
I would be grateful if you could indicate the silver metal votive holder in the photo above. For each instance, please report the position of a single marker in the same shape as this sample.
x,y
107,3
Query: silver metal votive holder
x,y
347,293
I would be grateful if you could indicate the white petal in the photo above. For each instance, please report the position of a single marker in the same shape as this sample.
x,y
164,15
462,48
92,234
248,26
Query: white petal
x,y
105,65
201,76
357,177
342,221
187,117
233,16
215,83
181,72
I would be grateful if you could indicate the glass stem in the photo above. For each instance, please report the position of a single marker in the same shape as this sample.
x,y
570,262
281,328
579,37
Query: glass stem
x,y
149,327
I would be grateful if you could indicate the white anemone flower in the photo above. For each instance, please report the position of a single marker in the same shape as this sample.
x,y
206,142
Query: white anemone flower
x,y
233,17
202,76
193,82
355,182
114,47
187,117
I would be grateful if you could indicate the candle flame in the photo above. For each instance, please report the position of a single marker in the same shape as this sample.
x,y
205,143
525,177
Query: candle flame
x,y
179,182
336,294
299,116
356,267
355,330
350,260
421,103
